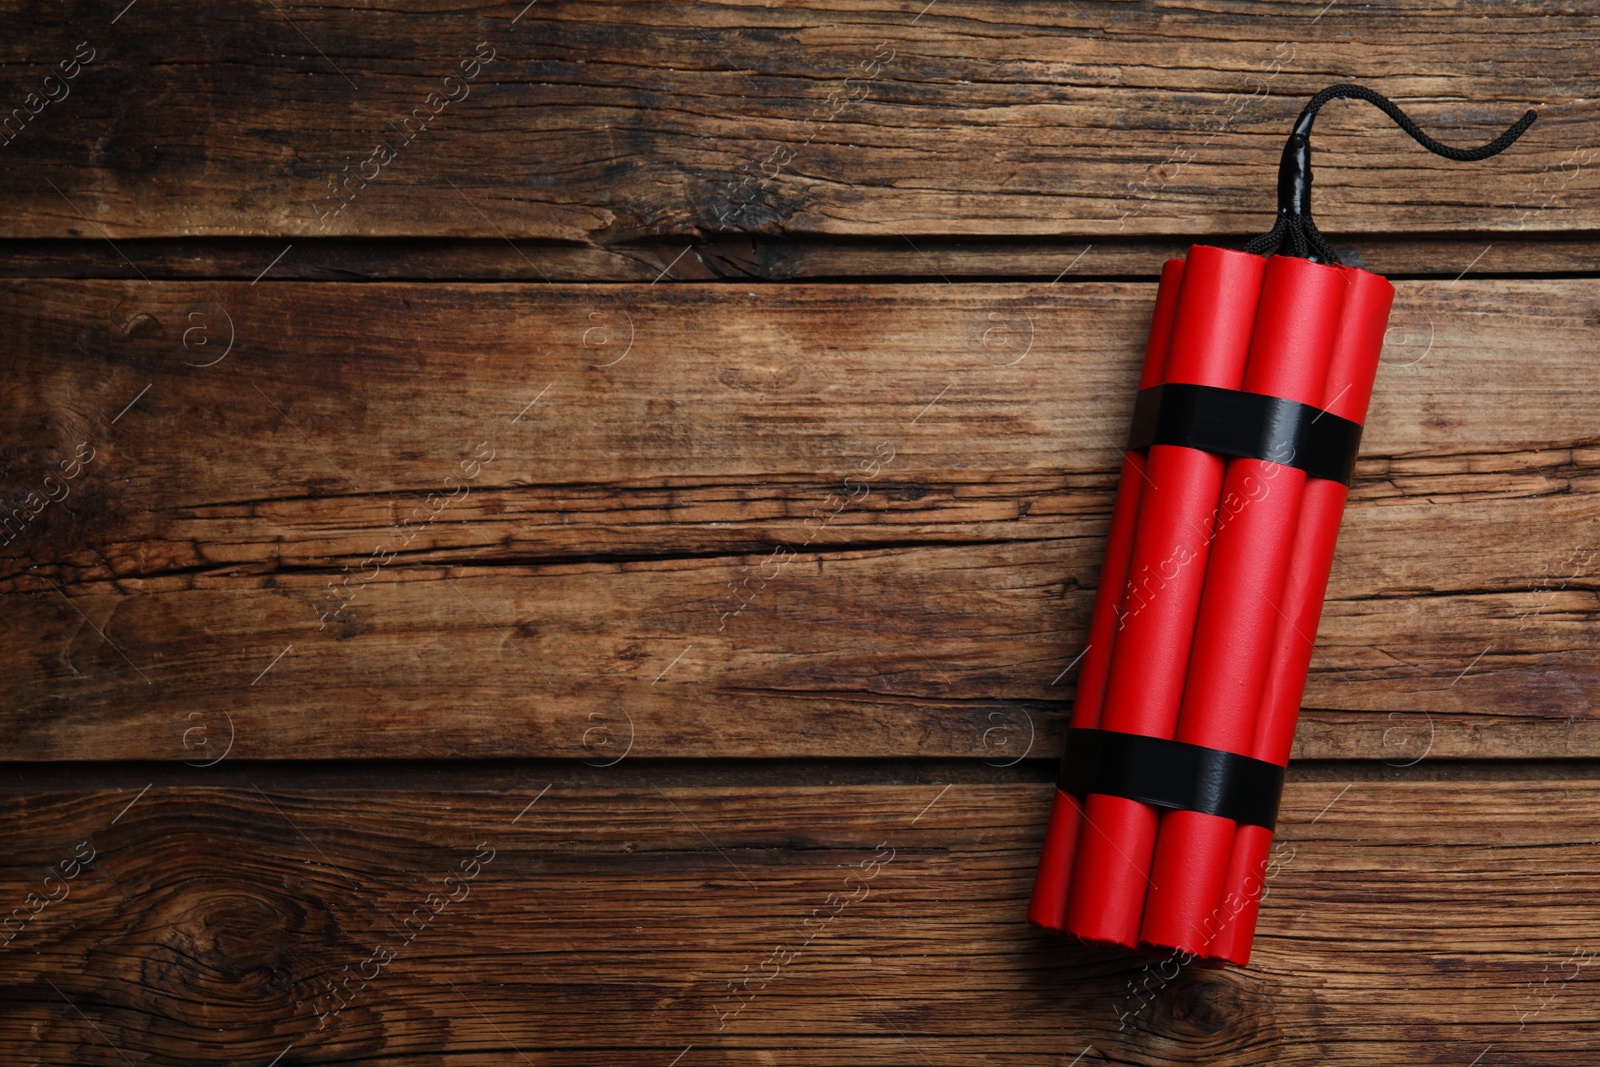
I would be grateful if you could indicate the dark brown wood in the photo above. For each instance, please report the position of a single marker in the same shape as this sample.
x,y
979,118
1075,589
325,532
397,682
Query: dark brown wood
x,y
833,925
748,257
595,123
1476,255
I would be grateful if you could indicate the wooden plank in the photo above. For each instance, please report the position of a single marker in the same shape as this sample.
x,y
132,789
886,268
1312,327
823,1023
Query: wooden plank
x,y
1434,920
580,528
591,123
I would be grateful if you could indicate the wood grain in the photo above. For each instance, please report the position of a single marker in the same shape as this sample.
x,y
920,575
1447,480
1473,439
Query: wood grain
x,y
625,501
1407,921
594,123
375,501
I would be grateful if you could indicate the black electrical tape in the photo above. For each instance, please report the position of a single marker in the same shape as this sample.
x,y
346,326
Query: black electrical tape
x,y
1171,774
1231,422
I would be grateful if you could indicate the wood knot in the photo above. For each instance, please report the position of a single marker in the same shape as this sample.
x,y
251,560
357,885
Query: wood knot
x,y
227,949
1203,1004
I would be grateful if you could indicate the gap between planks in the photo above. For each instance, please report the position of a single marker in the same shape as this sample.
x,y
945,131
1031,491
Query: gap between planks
x,y
497,774
752,258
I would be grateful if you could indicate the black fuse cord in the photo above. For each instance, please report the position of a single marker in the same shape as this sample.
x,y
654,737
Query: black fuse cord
x,y
1294,233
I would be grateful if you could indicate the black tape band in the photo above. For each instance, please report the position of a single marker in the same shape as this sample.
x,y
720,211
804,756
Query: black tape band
x,y
1232,422
1171,774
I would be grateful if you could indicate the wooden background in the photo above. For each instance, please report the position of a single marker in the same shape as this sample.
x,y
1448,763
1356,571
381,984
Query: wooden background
x,y
438,628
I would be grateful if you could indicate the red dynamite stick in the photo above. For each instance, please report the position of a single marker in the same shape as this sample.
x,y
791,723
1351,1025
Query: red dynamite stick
x,y
1239,683
1352,368
1237,620
1047,907
1210,341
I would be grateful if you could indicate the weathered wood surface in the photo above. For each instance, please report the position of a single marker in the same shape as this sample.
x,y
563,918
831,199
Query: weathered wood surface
x,y
558,497
594,123
1406,922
